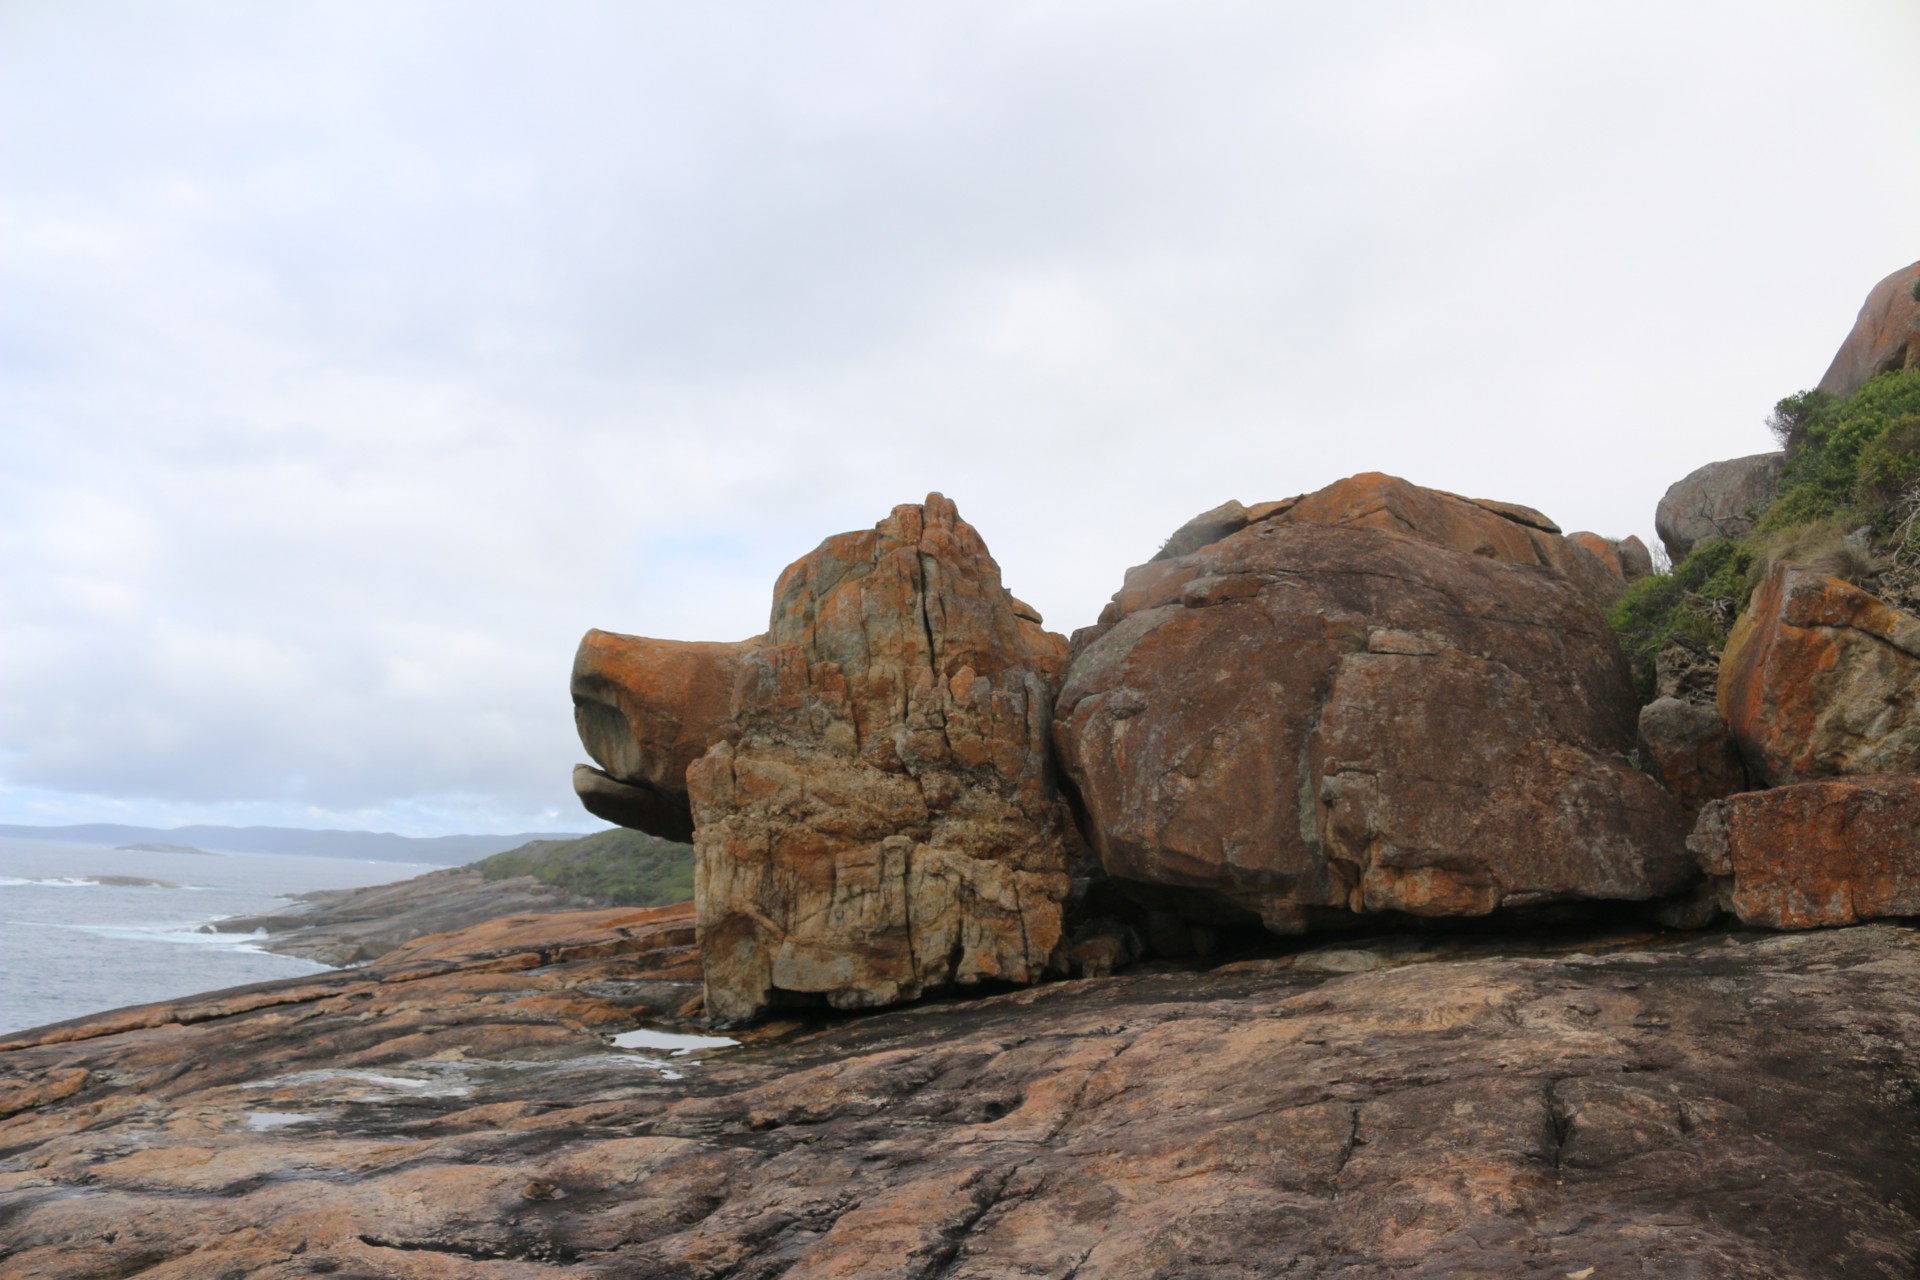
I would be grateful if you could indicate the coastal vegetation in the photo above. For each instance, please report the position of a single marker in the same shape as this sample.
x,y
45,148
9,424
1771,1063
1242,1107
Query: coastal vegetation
x,y
1848,502
617,868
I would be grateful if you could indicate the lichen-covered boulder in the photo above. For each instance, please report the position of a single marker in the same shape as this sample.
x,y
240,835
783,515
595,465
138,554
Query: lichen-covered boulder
x,y
1719,500
881,816
1820,678
1375,698
645,710
1884,338
1831,852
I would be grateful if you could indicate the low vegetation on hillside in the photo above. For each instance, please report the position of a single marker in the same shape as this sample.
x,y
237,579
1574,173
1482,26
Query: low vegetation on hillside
x,y
619,868
1848,502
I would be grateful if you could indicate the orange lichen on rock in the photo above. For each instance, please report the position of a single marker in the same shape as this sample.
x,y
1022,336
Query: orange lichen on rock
x,y
645,710
1831,852
1820,678
881,817
1497,530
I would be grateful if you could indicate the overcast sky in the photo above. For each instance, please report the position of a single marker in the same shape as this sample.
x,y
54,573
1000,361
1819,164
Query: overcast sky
x,y
358,357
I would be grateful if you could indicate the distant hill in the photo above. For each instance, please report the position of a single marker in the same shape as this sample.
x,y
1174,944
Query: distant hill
x,y
613,868
352,926
377,846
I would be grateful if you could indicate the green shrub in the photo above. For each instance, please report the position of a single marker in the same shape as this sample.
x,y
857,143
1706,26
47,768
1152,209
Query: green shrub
x,y
1890,465
1829,441
619,868
1697,600
1790,417
1850,463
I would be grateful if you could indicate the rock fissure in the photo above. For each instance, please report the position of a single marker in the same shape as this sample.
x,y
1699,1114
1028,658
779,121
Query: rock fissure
x,y
1347,1148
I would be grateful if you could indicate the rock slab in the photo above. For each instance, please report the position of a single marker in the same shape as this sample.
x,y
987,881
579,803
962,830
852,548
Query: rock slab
x,y
881,816
1820,678
1816,853
1724,1106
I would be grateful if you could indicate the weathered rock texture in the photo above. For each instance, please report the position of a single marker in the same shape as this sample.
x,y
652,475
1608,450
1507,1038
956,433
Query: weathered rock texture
x,y
1820,678
882,816
646,709
1410,707
1723,1107
1885,337
1816,853
1720,500
1690,749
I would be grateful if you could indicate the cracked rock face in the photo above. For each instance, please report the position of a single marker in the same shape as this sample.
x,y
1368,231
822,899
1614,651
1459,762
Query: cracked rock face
x,y
1725,1107
1821,679
1408,709
881,816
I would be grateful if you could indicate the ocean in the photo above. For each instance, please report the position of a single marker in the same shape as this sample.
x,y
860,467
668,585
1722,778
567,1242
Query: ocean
x,y
70,945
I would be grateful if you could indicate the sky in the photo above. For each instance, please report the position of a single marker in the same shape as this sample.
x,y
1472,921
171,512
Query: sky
x,y
356,358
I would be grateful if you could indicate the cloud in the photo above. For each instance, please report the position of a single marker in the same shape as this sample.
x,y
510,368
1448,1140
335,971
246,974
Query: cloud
x,y
357,360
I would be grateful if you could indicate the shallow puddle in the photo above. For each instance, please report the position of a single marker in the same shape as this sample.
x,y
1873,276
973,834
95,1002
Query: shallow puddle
x,y
261,1121
678,1044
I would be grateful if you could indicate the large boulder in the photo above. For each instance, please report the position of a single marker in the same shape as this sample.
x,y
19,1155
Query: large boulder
x,y
1407,707
645,710
1719,500
1820,678
1831,852
1885,337
881,816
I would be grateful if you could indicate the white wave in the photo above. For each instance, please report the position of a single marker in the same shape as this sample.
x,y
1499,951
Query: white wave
x,y
92,882
179,934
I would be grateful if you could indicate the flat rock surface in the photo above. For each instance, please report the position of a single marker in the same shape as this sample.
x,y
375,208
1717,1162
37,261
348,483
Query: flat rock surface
x,y
1707,1105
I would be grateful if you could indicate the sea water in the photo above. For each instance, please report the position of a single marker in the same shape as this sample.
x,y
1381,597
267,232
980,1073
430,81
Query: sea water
x,y
70,945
